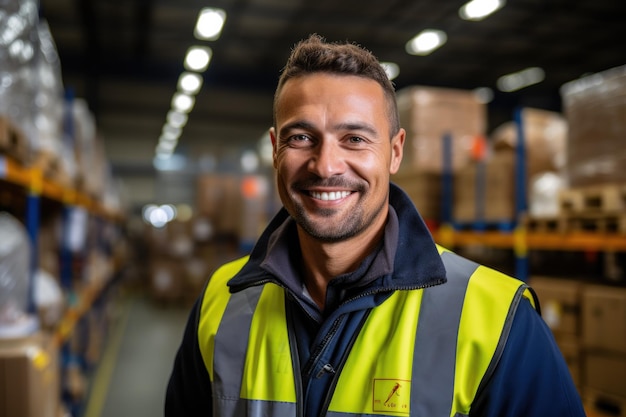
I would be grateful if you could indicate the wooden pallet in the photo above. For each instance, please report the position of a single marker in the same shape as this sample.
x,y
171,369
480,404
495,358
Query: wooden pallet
x,y
12,141
602,404
606,198
594,222
544,224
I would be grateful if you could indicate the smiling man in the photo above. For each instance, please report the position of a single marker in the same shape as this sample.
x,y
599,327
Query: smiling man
x,y
346,306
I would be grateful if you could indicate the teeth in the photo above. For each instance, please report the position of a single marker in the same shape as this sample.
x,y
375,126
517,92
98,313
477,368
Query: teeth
x,y
333,195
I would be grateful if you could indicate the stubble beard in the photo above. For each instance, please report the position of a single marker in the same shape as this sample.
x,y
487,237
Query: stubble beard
x,y
335,230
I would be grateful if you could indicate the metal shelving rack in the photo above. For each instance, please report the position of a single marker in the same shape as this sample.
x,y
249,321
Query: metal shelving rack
x,y
520,240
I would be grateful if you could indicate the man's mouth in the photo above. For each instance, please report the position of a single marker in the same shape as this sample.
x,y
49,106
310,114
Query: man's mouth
x,y
330,196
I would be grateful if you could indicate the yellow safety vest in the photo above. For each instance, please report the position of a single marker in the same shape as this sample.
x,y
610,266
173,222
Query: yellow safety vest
x,y
421,352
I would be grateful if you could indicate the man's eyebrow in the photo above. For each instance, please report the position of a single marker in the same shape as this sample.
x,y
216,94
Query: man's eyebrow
x,y
361,126
350,126
299,124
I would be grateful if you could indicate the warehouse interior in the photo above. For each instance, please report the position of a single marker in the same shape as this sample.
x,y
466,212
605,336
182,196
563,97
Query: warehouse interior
x,y
124,188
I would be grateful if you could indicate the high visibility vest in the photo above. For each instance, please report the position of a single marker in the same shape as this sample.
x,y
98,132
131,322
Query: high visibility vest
x,y
420,353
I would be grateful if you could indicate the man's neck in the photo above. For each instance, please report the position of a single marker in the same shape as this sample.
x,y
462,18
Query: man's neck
x,y
323,261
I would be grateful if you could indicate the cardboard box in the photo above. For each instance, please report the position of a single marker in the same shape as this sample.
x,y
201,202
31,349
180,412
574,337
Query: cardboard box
x,y
545,137
424,190
29,377
560,301
486,191
595,109
604,318
428,114
606,373
572,353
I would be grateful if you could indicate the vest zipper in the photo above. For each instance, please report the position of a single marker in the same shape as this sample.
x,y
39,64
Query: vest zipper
x,y
344,358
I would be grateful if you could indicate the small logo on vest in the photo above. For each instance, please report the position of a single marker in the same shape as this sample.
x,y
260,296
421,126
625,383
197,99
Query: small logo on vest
x,y
392,395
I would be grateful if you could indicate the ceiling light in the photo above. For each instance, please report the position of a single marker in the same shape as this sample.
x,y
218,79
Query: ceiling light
x,y
169,162
520,79
176,118
483,95
198,58
172,131
210,23
426,41
183,102
391,68
190,82
479,9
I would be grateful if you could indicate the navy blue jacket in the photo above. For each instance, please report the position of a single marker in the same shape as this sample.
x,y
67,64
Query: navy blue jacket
x,y
531,379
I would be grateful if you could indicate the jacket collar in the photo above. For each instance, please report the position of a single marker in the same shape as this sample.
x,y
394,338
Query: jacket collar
x,y
416,261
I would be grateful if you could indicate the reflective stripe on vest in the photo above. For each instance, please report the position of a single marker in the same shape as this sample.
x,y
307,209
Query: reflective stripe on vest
x,y
462,324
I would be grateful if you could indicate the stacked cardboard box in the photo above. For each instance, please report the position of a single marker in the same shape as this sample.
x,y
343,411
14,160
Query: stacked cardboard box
x,y
560,300
545,136
604,341
428,114
595,108
485,190
424,189
29,377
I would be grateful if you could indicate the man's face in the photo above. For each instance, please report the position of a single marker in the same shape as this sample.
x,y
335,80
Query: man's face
x,y
333,154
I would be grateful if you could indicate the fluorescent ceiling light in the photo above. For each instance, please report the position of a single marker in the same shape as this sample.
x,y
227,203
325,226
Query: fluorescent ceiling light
x,y
190,82
176,118
210,23
391,68
198,58
426,41
171,162
171,131
183,102
483,95
521,79
479,9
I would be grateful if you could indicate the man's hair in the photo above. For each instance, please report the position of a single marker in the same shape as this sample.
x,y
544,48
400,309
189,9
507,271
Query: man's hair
x,y
315,55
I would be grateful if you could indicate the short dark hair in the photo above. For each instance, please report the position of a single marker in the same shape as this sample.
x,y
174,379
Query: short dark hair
x,y
314,55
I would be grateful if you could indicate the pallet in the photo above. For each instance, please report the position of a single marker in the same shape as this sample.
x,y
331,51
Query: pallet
x,y
594,223
544,224
13,142
481,226
599,403
606,198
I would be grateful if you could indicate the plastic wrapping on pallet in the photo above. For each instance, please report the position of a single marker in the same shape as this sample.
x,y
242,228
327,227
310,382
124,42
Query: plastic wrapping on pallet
x,y
595,108
543,195
15,256
18,52
30,78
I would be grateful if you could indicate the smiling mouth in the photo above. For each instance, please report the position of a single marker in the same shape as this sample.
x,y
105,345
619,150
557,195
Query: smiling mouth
x,y
330,196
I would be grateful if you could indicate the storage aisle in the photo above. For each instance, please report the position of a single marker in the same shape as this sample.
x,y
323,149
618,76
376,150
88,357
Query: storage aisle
x,y
132,377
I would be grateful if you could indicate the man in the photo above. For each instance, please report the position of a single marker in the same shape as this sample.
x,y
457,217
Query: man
x,y
346,306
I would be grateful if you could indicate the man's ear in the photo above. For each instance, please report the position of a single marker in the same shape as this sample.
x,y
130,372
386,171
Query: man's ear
x,y
274,144
397,149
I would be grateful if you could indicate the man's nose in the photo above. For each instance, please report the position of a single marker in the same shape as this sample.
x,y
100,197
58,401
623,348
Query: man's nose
x,y
327,159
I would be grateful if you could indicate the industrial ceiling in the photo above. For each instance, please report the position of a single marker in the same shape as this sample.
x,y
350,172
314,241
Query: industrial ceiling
x,y
125,56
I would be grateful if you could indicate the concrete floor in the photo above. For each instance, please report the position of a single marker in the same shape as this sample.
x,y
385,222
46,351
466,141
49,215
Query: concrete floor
x,y
132,377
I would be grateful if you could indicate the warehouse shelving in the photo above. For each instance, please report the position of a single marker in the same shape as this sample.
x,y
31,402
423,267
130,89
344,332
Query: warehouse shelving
x,y
516,236
84,300
37,187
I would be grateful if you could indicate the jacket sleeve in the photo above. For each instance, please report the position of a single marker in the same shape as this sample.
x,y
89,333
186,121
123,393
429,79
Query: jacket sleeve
x,y
532,378
189,388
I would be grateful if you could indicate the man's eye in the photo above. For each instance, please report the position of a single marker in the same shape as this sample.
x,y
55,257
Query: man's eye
x,y
356,139
299,139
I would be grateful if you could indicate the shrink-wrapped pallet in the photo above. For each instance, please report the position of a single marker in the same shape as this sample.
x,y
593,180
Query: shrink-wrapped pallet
x,y
595,109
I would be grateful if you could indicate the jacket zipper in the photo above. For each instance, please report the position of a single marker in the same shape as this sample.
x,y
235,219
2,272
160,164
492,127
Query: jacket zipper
x,y
337,371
